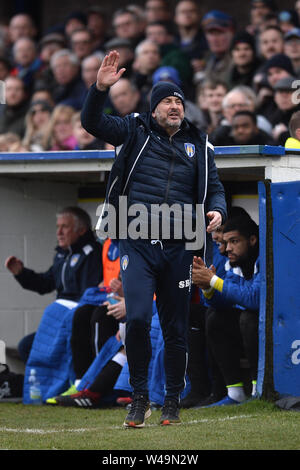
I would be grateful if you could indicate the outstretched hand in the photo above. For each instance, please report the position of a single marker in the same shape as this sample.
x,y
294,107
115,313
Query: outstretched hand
x,y
108,73
215,220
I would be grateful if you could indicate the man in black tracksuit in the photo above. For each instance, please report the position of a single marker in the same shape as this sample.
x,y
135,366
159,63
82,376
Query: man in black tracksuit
x,y
164,159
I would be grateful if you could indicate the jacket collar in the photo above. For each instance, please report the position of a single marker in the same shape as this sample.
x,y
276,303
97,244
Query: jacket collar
x,y
87,238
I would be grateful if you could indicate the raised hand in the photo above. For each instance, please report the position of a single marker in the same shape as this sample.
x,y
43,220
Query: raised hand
x,y
108,73
14,265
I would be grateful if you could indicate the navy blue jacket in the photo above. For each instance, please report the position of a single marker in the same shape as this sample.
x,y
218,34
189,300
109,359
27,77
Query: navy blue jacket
x,y
72,271
237,291
135,133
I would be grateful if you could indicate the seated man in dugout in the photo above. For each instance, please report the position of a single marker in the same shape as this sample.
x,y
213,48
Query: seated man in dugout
x,y
77,266
232,319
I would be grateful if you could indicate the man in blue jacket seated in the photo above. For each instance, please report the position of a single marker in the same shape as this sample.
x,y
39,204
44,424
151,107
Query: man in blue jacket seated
x,y
232,322
77,264
164,160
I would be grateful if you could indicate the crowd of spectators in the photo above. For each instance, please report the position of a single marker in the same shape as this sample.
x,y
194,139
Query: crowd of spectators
x,y
239,88
223,68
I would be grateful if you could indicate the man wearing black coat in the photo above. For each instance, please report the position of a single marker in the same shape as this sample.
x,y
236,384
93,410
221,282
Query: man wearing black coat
x,y
164,160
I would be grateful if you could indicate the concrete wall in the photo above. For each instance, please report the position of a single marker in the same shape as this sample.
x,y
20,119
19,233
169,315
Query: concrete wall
x,y
27,230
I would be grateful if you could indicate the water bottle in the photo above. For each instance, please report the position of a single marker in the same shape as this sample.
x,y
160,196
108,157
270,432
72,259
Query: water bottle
x,y
110,298
34,388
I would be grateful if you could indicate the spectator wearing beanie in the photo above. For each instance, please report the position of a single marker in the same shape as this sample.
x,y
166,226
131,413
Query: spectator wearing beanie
x,y
244,60
276,68
286,106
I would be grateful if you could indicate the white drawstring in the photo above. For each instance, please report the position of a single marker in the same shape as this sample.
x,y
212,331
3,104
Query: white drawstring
x,y
153,242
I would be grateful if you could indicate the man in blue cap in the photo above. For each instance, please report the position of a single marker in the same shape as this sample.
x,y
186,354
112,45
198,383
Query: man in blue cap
x,y
219,30
164,161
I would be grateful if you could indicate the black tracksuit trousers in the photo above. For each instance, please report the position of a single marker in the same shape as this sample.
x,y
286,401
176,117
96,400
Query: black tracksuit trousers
x,y
91,328
163,268
232,334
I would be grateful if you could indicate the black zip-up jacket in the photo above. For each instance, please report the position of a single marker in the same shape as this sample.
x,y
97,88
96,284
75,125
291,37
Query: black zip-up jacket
x,y
138,137
72,271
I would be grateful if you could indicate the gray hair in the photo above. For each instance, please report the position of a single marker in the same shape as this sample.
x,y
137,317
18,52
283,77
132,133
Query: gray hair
x,y
139,47
97,55
64,52
243,90
22,39
131,84
80,216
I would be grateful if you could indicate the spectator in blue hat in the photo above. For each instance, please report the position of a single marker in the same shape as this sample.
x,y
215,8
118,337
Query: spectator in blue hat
x,y
219,31
288,20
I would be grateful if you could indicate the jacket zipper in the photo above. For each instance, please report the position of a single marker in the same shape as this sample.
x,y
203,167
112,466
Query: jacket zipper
x,y
106,201
170,172
111,187
204,197
64,269
140,152
169,178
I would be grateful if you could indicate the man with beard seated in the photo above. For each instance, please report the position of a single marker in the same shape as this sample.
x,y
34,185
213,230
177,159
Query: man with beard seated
x,y
232,320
